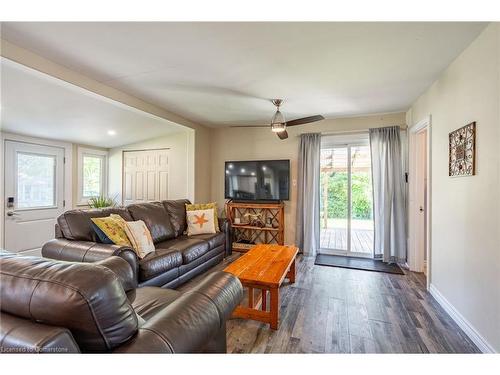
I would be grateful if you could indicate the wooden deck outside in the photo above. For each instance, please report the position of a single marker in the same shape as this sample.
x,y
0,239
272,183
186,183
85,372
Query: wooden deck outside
x,y
336,238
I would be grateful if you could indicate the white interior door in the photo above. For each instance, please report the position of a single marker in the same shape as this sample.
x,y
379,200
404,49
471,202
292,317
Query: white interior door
x,y
419,205
145,176
34,194
421,199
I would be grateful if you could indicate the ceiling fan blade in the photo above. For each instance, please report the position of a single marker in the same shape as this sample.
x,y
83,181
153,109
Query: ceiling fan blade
x,y
282,135
305,120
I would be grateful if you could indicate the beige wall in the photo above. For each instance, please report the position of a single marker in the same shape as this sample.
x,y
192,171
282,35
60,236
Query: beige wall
x,y
261,143
202,164
465,252
180,172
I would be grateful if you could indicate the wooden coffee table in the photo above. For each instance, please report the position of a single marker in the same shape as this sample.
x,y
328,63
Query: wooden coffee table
x,y
264,267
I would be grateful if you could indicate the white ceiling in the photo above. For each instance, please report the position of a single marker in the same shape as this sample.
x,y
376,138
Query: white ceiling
x,y
222,74
39,105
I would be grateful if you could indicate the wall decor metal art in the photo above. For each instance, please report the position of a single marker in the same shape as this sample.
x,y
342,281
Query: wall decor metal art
x,y
462,148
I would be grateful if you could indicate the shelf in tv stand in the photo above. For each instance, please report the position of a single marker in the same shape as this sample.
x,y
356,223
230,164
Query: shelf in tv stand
x,y
236,226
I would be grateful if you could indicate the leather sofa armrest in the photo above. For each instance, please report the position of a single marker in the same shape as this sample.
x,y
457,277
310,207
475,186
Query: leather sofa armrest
x,y
190,323
88,252
122,269
224,290
19,335
225,227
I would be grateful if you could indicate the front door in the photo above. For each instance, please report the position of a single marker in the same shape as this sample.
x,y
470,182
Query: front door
x,y
34,194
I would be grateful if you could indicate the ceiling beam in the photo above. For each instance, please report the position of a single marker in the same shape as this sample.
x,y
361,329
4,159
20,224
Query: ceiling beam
x,y
32,60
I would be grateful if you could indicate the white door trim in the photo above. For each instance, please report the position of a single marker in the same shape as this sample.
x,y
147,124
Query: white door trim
x,y
416,260
68,177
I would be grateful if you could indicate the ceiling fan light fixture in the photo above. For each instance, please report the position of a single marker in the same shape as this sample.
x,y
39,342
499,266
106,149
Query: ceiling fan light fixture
x,y
278,122
278,127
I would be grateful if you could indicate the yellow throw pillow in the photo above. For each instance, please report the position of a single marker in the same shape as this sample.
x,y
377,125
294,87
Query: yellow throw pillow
x,y
113,228
120,220
140,237
200,222
205,206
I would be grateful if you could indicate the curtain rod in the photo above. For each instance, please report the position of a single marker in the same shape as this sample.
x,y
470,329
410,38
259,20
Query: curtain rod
x,y
358,131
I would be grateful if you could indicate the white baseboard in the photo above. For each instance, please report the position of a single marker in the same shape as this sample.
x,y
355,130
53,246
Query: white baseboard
x,y
463,323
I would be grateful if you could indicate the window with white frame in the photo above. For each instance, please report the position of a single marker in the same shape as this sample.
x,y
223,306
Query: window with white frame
x,y
92,174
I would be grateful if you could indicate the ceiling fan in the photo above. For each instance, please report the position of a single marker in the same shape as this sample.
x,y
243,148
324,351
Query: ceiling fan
x,y
279,125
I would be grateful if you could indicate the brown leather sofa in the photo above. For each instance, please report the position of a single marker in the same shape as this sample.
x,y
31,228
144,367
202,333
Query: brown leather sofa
x,y
51,306
177,258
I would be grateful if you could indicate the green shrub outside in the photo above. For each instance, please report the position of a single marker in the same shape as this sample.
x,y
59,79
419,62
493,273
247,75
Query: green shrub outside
x,y
337,195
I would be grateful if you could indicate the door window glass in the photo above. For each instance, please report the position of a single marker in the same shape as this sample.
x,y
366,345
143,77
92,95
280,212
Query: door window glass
x,y
36,176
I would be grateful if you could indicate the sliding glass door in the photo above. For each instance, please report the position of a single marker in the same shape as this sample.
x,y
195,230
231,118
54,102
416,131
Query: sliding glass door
x,y
346,200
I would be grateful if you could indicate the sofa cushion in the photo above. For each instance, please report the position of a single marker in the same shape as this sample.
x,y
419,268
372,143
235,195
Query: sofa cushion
x,y
155,217
213,239
191,248
158,262
77,226
177,212
149,300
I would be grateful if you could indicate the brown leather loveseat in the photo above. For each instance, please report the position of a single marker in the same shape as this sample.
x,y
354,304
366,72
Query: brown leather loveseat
x,y
50,306
177,258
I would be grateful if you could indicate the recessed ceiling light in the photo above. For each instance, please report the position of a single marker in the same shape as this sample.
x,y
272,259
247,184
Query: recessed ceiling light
x,y
111,132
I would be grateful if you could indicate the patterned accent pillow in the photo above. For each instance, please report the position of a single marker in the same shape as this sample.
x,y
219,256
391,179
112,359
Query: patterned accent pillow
x,y
204,206
101,235
113,229
140,237
120,220
200,222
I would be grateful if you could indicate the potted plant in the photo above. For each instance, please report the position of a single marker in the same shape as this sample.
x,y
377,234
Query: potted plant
x,y
102,202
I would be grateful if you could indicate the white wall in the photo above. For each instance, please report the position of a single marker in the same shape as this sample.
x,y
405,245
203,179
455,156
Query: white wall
x,y
261,143
180,164
465,251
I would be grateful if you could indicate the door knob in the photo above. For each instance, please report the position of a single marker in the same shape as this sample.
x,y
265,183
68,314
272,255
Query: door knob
x,y
11,213
421,209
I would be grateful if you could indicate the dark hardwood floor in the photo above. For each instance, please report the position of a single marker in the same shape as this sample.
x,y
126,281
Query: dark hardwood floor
x,y
336,310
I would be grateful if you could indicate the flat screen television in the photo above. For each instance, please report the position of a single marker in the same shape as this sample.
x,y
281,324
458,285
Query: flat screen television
x,y
262,180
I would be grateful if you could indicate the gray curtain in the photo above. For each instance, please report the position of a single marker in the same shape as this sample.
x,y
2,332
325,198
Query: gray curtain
x,y
307,235
389,206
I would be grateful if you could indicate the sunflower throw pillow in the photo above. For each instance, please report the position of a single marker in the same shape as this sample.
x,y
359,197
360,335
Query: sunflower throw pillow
x,y
200,222
113,229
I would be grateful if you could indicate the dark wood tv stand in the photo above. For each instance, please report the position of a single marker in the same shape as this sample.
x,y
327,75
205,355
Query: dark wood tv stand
x,y
256,234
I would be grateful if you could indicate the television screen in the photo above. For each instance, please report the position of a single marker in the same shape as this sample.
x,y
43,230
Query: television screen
x,y
261,180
